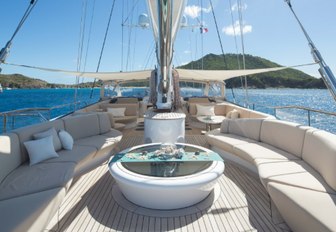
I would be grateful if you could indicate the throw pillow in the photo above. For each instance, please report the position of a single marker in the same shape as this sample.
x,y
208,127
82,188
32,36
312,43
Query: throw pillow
x,y
225,126
40,150
235,114
66,140
117,112
229,114
205,110
50,132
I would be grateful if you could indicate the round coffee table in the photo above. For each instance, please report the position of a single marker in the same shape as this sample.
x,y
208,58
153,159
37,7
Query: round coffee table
x,y
166,183
210,120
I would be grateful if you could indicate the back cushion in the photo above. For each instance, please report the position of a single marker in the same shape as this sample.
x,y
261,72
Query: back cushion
x,y
26,133
319,151
131,109
249,128
283,135
104,122
10,154
82,126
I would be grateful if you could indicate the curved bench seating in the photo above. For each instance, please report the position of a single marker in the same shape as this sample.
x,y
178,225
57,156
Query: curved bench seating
x,y
296,164
31,195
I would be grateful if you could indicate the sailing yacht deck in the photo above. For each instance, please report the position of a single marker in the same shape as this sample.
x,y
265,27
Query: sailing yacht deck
x,y
95,204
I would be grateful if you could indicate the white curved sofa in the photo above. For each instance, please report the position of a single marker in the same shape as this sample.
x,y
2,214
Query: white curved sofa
x,y
31,195
296,164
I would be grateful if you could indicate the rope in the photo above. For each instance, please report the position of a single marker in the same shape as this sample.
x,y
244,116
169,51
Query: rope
x,y
218,34
5,51
242,44
103,46
31,6
80,47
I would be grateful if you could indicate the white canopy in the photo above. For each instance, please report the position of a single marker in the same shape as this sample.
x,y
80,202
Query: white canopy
x,y
185,74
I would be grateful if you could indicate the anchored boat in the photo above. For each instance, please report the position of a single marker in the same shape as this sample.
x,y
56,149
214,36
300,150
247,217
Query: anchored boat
x,y
167,156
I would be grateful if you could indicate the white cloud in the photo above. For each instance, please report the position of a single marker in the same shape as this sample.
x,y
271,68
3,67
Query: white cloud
x,y
235,29
194,11
235,7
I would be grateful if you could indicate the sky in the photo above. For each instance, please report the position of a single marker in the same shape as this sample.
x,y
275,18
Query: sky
x,y
51,35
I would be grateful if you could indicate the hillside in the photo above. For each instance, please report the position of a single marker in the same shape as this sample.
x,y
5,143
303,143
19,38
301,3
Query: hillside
x,y
19,81
288,78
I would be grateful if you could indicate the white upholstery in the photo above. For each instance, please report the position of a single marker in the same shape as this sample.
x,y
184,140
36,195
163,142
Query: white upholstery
x,y
319,151
284,135
226,141
10,154
254,151
82,126
303,209
30,213
249,128
295,173
205,110
31,179
117,112
66,140
296,164
30,196
40,149
105,122
26,134
50,132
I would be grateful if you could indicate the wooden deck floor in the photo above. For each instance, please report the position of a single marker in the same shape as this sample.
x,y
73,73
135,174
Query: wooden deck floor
x,y
90,205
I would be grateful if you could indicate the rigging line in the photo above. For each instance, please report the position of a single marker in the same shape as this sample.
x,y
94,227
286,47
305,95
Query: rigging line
x,y
122,37
31,6
81,35
80,49
218,34
235,39
243,46
150,52
202,35
130,30
89,37
130,13
4,52
103,46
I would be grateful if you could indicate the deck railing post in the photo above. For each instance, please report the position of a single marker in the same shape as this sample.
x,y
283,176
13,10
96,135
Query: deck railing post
x,y
4,123
308,117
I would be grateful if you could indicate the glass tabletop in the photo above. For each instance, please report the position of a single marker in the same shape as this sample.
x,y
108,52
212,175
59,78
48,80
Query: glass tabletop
x,y
167,160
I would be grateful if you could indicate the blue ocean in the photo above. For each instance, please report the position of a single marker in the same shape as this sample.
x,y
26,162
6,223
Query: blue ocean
x,y
259,99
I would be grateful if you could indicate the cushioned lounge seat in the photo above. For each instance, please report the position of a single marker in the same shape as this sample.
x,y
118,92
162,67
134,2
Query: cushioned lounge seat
x,y
40,177
295,173
227,141
262,151
304,209
25,213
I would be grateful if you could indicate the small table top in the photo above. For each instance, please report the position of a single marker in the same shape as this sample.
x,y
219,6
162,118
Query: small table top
x,y
216,119
160,160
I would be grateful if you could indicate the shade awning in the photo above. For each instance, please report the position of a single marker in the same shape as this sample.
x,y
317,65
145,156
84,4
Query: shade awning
x,y
184,74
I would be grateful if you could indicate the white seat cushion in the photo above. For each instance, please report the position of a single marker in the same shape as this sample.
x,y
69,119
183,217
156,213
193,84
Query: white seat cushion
x,y
31,179
225,142
303,209
295,173
253,151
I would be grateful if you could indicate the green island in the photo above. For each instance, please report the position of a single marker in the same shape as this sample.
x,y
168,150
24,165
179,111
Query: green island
x,y
288,78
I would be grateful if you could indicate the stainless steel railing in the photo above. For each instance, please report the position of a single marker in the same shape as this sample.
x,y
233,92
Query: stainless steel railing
x,y
41,113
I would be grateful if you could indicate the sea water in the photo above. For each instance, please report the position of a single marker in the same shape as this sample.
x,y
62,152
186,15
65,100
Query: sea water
x,y
259,99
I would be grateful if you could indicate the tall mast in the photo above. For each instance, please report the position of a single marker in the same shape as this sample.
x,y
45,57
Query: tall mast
x,y
165,16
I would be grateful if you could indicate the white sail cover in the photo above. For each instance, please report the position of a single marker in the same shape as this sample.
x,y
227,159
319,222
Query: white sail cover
x,y
185,74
